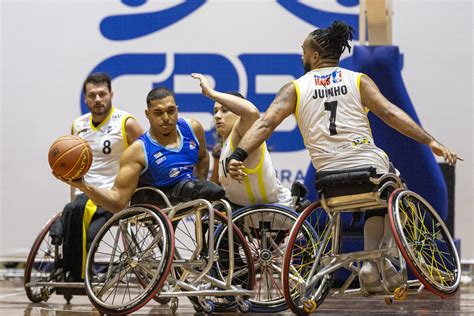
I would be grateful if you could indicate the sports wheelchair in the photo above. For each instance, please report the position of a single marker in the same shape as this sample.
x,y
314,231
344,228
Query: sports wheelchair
x,y
134,258
164,252
266,229
420,243
44,273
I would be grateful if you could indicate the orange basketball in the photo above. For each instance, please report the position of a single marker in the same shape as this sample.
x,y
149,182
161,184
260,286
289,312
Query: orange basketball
x,y
70,157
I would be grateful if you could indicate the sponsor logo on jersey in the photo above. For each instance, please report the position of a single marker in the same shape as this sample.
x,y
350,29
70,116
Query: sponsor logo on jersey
x,y
160,160
174,172
360,141
82,131
325,80
158,155
109,129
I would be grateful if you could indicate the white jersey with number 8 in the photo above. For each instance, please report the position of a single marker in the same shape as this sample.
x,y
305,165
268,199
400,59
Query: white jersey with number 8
x,y
108,140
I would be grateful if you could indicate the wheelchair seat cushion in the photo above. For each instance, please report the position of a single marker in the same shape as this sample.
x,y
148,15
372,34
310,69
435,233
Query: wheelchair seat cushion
x,y
345,182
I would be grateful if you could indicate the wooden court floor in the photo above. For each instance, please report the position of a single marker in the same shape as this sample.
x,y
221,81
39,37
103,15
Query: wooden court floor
x,y
13,301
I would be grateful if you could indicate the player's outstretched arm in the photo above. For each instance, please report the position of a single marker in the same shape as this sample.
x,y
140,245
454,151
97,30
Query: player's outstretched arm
x,y
247,111
282,106
396,118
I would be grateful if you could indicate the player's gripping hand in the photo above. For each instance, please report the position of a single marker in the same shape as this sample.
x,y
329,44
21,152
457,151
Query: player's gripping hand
x,y
77,183
236,169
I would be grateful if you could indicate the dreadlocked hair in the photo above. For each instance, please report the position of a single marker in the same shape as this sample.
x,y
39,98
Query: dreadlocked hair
x,y
332,41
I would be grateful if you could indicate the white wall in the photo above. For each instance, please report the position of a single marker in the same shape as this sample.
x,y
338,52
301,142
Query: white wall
x,y
436,40
48,47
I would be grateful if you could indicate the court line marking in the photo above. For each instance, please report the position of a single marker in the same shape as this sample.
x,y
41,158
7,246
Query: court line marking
x,y
22,291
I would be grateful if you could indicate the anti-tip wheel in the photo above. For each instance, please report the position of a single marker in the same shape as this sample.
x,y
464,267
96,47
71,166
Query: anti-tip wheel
x,y
309,306
245,306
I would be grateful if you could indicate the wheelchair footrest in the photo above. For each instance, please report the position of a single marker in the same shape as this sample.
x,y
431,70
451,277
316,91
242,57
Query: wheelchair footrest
x,y
71,290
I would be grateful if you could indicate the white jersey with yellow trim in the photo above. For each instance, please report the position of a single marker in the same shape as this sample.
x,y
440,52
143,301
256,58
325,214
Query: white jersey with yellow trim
x,y
260,185
108,140
334,123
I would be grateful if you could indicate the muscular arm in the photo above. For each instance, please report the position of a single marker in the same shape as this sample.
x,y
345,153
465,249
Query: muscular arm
x,y
72,193
131,164
282,106
396,118
132,129
202,165
245,109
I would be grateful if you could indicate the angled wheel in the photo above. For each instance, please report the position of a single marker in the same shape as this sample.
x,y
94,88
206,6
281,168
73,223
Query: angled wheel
x,y
266,229
137,241
311,243
43,265
425,242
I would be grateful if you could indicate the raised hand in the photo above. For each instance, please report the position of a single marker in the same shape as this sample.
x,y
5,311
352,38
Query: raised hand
x,y
207,90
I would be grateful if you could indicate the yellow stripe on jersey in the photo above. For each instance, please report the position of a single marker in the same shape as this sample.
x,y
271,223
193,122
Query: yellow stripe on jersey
x,y
366,109
297,109
73,132
358,81
124,131
89,212
103,122
258,169
230,141
250,194
261,186
297,90
260,162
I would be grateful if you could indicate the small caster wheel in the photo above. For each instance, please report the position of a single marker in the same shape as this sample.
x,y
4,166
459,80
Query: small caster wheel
x,y
245,306
209,307
68,298
197,308
163,300
44,294
399,294
309,306
174,305
388,300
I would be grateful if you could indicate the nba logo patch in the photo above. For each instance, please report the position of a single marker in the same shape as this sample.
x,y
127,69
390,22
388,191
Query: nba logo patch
x,y
192,145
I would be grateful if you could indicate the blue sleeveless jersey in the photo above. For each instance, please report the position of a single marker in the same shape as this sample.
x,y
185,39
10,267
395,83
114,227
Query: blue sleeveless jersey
x,y
167,166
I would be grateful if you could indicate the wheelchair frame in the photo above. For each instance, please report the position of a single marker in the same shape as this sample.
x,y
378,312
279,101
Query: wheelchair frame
x,y
194,270
321,275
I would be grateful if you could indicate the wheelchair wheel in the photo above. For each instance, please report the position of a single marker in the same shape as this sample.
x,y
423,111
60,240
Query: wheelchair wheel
x,y
244,273
266,229
43,265
312,233
137,241
424,242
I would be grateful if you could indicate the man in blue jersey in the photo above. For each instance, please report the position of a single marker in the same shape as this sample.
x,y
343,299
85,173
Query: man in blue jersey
x,y
171,156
